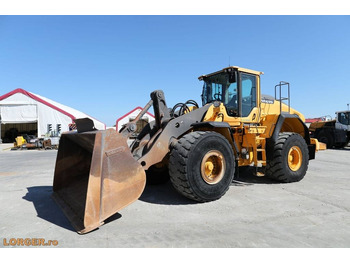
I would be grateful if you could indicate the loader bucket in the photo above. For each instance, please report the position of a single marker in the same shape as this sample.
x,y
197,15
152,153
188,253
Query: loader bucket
x,y
95,176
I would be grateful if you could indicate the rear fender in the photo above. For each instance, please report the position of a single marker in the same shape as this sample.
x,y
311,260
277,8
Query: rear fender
x,y
289,123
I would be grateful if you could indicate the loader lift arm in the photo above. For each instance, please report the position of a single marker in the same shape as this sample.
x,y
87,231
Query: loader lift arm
x,y
161,112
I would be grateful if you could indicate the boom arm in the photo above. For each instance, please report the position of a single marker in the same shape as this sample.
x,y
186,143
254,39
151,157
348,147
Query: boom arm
x,y
162,114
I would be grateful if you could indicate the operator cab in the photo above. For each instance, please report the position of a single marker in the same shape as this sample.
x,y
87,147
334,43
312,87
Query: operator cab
x,y
235,87
343,117
343,120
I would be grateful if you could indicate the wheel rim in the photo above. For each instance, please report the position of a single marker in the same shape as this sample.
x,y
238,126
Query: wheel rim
x,y
295,158
213,167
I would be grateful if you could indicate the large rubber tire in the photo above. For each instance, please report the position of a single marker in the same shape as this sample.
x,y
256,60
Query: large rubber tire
x,y
290,158
326,138
188,157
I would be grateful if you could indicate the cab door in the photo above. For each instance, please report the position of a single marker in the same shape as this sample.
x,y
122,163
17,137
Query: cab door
x,y
247,99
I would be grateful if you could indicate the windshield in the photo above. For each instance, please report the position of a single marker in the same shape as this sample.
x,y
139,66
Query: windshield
x,y
344,118
221,87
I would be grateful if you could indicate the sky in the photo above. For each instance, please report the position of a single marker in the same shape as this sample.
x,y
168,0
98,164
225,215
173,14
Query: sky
x,y
105,66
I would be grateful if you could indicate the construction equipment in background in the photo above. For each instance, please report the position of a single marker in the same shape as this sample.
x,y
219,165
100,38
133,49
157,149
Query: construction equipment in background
x,y
200,148
20,142
25,142
335,133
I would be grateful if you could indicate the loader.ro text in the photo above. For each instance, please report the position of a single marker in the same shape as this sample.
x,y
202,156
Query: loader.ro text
x,y
29,242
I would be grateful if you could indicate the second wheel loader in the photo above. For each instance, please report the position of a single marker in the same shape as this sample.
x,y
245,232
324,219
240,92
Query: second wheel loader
x,y
199,147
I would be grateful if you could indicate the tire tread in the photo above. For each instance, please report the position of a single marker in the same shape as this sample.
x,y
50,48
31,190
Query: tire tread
x,y
178,162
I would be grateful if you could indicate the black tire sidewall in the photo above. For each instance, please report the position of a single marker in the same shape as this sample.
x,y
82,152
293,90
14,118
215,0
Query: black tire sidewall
x,y
295,140
326,138
210,141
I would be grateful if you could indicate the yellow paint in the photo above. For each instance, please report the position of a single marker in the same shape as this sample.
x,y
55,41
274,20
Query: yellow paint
x,y
213,167
295,158
319,145
250,133
19,141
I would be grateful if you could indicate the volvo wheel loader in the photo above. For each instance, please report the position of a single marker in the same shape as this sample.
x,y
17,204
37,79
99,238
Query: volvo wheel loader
x,y
200,148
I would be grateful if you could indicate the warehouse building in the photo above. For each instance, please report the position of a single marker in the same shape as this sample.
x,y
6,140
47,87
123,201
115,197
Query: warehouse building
x,y
22,112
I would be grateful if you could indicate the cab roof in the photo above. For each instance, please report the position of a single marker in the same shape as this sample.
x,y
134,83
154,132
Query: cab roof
x,y
237,68
343,111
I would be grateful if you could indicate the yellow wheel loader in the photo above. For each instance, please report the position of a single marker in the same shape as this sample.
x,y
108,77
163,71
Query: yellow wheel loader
x,y
200,148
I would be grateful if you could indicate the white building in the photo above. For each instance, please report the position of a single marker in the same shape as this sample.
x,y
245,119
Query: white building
x,y
33,114
147,117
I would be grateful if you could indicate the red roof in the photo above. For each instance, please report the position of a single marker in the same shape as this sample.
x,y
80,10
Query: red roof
x,y
312,120
24,92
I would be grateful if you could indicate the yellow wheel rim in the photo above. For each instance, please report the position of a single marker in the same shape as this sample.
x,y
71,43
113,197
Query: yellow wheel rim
x,y
295,158
213,167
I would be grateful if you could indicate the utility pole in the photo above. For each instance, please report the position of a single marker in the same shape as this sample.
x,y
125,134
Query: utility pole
x,y
348,106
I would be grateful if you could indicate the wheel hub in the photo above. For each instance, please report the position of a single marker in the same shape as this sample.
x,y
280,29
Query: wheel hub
x,y
213,167
295,158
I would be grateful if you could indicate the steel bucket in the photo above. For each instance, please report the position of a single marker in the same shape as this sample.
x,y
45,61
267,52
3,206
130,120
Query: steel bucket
x,y
95,177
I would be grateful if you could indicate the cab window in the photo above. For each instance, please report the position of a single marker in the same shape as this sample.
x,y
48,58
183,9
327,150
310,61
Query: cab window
x,y
248,93
343,118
